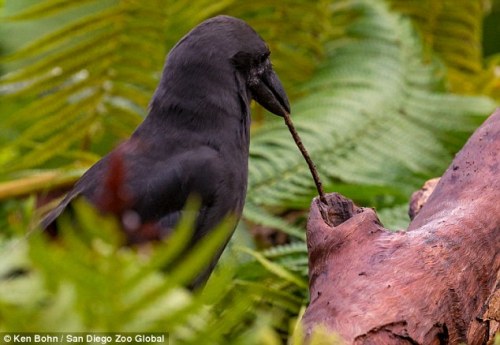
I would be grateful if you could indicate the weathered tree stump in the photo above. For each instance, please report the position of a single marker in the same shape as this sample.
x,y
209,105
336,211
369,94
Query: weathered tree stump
x,y
436,283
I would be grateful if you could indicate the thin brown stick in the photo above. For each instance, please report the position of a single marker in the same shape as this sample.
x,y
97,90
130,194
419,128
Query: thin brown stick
x,y
312,167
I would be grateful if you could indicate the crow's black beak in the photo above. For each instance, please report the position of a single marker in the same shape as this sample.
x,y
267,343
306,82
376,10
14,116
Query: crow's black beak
x,y
269,93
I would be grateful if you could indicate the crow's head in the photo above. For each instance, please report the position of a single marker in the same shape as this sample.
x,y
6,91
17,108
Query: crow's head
x,y
222,48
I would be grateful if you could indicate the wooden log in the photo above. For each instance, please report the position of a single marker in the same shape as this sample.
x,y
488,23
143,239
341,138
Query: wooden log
x,y
436,283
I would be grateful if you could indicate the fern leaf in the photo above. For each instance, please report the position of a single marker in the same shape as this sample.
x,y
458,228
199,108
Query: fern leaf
x,y
355,120
47,8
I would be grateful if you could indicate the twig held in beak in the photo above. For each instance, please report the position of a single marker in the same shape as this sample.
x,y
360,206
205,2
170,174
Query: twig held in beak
x,y
312,167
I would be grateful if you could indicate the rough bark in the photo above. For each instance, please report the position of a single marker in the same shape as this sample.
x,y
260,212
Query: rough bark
x,y
436,283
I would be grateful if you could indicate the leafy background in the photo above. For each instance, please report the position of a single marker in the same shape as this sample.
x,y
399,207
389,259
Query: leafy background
x,y
383,93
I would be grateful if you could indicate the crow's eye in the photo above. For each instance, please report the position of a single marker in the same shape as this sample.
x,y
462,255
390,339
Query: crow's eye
x,y
263,57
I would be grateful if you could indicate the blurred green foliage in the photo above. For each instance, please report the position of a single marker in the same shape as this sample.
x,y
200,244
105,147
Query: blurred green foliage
x,y
86,280
383,93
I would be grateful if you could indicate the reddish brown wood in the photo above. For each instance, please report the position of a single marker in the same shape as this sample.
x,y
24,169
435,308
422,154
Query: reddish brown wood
x,y
437,283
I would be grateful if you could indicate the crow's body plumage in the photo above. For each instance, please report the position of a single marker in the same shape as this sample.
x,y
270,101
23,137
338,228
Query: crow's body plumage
x,y
195,139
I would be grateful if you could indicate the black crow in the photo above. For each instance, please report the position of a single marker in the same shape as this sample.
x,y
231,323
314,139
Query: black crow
x,y
195,139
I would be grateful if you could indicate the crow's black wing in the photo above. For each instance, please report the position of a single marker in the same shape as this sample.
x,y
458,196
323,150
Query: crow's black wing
x,y
158,188
48,222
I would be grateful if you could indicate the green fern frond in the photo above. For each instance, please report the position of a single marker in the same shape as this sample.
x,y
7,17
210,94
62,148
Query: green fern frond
x,y
260,216
294,248
395,218
375,114
292,256
64,35
47,8
37,181
276,269
86,281
80,92
274,295
453,31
